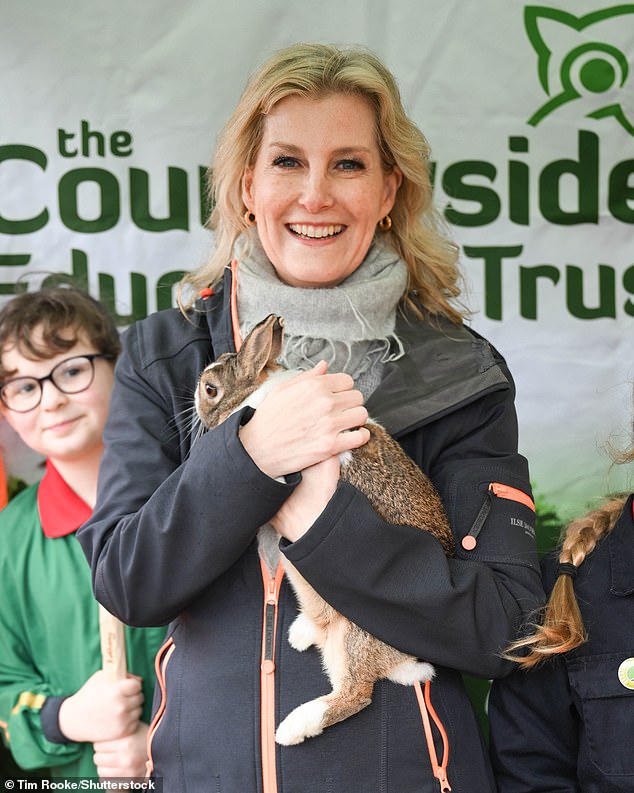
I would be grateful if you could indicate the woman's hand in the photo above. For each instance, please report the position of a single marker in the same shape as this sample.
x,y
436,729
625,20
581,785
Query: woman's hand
x,y
304,421
124,757
306,503
102,710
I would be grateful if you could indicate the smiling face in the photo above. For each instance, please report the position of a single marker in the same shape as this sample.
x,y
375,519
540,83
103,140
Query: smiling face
x,y
63,427
318,187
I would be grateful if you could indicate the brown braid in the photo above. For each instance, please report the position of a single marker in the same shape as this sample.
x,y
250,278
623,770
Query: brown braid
x,y
561,628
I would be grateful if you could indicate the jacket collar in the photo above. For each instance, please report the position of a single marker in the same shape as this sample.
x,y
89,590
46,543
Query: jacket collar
x,y
61,510
444,366
621,548
217,308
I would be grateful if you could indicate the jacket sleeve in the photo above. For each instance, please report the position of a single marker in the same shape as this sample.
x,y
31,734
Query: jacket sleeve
x,y
533,730
168,522
396,582
24,691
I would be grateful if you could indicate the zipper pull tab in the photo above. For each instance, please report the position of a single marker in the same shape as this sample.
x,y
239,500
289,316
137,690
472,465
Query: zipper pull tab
x,y
269,624
470,540
441,776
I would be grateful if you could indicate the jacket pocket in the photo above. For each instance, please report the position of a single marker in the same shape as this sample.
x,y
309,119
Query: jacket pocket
x,y
607,709
492,513
160,665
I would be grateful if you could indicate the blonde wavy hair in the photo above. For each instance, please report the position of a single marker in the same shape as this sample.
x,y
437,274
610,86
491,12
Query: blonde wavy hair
x,y
314,71
561,628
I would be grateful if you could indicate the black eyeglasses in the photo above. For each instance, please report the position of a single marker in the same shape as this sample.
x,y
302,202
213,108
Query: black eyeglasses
x,y
71,376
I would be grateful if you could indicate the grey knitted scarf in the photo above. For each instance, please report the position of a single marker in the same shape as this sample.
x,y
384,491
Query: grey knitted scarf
x,y
351,325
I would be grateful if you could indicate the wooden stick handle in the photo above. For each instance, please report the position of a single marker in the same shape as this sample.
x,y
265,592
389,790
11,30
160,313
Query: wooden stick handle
x,y
113,657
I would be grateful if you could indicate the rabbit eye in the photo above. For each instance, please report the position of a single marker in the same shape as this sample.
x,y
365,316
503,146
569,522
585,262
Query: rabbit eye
x,y
211,390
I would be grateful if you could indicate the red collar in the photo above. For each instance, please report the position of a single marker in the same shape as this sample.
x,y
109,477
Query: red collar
x,y
62,511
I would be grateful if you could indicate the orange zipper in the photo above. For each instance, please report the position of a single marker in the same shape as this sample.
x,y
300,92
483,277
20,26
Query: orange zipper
x,y
512,493
160,665
439,769
497,489
267,676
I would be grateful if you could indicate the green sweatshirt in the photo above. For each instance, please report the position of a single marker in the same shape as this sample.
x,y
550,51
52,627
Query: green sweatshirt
x,y
49,627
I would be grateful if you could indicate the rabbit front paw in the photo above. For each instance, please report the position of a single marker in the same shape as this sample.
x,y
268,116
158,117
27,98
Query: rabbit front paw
x,y
303,633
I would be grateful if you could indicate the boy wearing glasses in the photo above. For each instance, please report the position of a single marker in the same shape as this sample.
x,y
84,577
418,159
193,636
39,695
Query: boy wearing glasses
x,y
58,710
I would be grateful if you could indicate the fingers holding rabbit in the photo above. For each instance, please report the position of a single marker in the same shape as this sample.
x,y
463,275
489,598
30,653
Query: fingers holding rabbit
x,y
304,421
309,499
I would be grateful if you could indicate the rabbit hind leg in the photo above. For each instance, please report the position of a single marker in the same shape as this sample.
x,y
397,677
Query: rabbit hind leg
x,y
312,718
352,680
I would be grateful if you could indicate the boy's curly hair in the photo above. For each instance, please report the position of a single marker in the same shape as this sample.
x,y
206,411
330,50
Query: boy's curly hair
x,y
64,314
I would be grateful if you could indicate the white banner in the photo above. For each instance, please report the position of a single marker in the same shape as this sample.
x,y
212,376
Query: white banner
x,y
109,117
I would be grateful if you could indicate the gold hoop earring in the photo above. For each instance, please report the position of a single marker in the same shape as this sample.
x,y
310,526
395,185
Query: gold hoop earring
x,y
249,218
385,224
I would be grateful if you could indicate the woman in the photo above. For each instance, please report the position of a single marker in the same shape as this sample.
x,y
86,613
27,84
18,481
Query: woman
x,y
323,206
566,724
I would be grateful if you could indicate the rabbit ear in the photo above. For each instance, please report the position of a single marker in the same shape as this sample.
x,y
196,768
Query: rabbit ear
x,y
263,346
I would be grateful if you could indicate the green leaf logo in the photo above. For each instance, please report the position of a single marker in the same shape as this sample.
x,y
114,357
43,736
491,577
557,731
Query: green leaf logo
x,y
582,58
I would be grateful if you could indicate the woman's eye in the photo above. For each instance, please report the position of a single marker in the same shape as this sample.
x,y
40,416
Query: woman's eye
x,y
350,165
285,162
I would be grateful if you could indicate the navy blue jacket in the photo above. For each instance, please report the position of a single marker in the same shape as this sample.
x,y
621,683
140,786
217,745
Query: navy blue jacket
x,y
172,539
567,726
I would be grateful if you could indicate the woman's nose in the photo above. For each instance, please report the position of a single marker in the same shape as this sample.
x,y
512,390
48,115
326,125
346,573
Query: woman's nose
x,y
317,192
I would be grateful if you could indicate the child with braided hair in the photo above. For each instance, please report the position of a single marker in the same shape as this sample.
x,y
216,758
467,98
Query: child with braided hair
x,y
563,721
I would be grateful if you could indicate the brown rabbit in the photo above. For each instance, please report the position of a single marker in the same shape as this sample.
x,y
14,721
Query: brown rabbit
x,y
398,491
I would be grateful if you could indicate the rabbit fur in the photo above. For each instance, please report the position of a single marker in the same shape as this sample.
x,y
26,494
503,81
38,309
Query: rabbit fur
x,y
397,490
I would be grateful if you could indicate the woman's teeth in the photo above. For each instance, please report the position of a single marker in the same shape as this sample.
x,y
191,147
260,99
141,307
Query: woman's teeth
x,y
315,232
